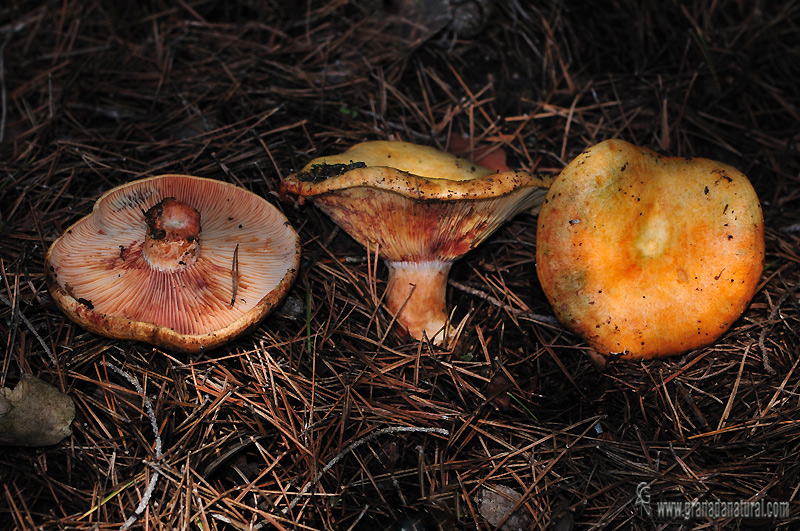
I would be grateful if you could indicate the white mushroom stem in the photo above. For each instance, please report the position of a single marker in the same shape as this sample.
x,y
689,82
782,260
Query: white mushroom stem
x,y
416,295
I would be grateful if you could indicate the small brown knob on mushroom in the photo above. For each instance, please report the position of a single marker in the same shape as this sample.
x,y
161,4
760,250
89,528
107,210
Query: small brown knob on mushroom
x,y
173,235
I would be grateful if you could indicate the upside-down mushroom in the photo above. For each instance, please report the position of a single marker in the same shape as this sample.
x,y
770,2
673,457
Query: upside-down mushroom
x,y
181,262
645,255
422,209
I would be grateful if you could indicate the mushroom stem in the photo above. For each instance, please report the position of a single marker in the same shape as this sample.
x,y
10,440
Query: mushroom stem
x,y
173,235
416,294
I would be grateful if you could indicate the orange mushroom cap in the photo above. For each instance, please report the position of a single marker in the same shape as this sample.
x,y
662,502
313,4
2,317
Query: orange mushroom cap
x,y
182,262
421,208
645,255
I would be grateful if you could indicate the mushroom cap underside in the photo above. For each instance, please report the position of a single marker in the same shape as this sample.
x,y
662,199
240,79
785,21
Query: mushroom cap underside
x,y
98,274
404,229
645,255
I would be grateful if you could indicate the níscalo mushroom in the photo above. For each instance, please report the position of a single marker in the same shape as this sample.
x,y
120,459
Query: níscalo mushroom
x,y
182,262
422,209
645,255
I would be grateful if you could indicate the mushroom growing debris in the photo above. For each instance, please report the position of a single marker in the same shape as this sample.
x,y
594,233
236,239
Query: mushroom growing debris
x,y
422,209
182,262
645,255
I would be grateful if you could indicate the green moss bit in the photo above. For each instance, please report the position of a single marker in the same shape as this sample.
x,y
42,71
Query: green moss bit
x,y
320,172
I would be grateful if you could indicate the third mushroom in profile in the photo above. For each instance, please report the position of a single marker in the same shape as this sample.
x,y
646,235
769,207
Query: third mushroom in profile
x,y
422,208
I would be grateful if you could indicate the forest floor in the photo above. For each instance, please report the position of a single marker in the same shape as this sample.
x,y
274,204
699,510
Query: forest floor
x,y
320,418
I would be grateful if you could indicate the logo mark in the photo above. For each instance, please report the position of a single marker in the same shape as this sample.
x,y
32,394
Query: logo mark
x,y
643,498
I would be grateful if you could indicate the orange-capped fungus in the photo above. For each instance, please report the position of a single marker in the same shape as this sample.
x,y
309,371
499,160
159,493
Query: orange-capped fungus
x,y
422,208
182,262
645,255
